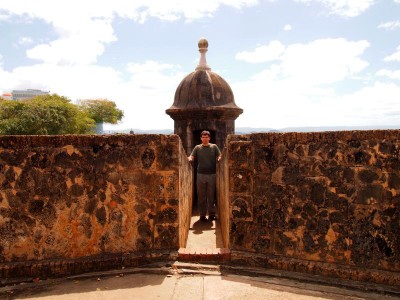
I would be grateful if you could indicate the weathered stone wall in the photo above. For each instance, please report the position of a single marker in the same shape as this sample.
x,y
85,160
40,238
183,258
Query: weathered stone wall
x,y
325,203
223,197
68,197
185,196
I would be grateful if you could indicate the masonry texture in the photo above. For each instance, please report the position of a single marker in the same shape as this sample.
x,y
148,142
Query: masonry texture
x,y
71,197
319,203
324,203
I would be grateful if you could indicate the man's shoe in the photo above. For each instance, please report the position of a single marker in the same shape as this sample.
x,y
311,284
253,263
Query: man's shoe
x,y
203,219
212,217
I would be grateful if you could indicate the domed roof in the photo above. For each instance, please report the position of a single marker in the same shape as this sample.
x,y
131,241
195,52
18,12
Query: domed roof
x,y
203,89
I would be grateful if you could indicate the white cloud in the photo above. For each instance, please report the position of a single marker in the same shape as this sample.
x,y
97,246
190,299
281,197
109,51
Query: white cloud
x,y
287,27
390,25
345,8
6,80
274,104
25,40
85,27
264,53
138,10
152,75
298,89
188,10
4,17
388,73
377,104
148,66
324,61
76,45
319,62
394,57
67,51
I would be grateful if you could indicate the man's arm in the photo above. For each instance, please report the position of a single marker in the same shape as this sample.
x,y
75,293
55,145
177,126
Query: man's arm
x,y
218,152
193,154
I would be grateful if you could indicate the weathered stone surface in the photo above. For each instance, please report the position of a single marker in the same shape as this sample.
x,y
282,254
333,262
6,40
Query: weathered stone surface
x,y
65,197
242,208
323,203
166,236
331,198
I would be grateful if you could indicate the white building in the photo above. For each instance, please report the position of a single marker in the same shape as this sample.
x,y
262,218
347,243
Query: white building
x,y
25,94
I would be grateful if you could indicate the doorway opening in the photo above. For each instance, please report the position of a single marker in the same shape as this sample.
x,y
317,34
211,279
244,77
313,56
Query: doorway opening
x,y
204,241
196,141
202,234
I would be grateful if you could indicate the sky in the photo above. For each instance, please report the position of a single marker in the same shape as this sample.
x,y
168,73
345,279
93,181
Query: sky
x,y
290,63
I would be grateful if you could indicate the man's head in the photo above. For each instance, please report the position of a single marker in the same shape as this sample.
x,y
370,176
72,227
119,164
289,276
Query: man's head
x,y
205,137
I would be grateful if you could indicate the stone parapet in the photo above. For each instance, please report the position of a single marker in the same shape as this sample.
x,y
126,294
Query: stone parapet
x,y
75,197
321,198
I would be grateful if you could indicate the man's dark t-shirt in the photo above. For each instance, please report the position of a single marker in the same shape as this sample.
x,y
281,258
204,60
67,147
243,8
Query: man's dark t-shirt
x,y
206,158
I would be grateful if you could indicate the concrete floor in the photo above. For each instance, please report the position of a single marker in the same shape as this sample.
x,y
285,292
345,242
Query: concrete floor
x,y
181,281
204,234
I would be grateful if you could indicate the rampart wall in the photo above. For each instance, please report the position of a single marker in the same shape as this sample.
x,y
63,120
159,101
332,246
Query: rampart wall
x,y
320,203
70,204
324,203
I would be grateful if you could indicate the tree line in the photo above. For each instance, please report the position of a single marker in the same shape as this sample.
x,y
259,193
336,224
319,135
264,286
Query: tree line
x,y
54,114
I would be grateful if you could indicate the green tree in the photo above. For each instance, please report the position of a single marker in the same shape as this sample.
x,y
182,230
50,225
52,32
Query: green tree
x,y
102,110
44,114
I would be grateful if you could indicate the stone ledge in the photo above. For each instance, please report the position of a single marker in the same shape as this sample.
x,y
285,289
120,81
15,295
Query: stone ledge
x,y
26,271
334,271
204,254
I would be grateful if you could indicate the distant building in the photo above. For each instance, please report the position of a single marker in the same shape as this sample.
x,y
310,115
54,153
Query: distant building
x,y
25,94
7,96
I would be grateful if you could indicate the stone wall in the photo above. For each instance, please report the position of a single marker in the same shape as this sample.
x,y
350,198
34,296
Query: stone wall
x,y
223,197
325,203
185,196
70,197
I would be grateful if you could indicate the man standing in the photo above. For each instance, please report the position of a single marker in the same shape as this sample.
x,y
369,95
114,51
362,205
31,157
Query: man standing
x,y
207,155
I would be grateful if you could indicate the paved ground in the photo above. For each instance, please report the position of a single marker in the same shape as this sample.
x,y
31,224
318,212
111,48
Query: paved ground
x,y
204,234
181,281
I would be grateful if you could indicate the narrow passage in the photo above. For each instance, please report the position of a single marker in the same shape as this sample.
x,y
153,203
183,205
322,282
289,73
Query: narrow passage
x,y
204,234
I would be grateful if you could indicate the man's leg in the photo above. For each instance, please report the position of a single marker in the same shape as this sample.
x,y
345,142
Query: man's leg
x,y
210,194
201,194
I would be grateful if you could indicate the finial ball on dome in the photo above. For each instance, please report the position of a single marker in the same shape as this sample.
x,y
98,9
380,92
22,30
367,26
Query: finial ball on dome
x,y
203,43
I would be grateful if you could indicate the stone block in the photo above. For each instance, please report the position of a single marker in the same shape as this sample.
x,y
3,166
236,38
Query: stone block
x,y
241,154
241,207
241,181
166,236
285,243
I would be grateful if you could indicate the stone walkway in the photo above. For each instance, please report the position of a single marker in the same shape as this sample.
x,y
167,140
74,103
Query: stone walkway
x,y
204,242
204,234
182,281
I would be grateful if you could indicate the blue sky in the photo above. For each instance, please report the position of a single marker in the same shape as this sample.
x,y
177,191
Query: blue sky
x,y
288,62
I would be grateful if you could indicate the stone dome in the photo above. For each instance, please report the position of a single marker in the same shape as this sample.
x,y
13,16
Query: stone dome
x,y
204,90
201,89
